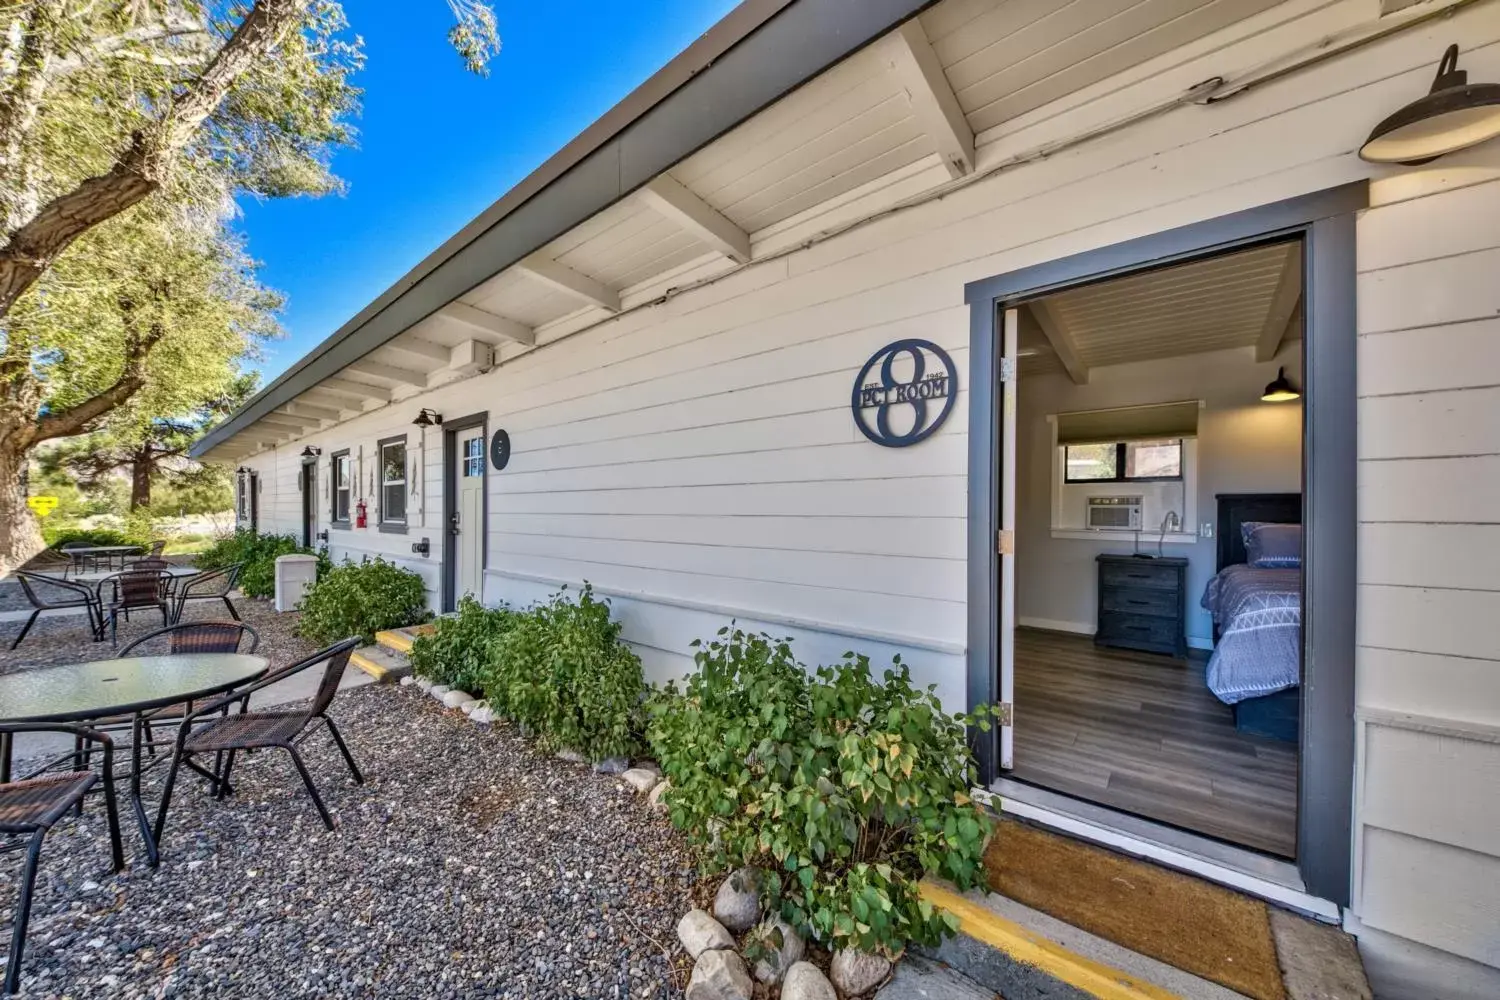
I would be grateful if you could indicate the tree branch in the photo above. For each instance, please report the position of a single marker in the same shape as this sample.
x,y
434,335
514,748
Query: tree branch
x,y
76,418
120,46
144,164
18,110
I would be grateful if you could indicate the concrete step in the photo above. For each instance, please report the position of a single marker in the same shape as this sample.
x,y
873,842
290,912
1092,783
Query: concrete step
x,y
399,640
1024,954
381,662
919,978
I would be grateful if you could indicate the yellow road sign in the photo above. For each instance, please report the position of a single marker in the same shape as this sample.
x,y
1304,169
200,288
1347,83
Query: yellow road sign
x,y
42,505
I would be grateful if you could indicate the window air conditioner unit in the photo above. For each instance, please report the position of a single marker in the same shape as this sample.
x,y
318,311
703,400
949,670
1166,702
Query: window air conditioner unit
x,y
1114,513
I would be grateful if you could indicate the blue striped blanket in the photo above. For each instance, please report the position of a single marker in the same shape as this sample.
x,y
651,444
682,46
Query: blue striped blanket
x,y
1259,617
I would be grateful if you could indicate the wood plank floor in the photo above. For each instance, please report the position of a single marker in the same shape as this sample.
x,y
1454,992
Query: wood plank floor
x,y
1143,734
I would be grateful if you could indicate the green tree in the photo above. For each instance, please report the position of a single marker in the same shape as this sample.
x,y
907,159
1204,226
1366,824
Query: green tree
x,y
126,130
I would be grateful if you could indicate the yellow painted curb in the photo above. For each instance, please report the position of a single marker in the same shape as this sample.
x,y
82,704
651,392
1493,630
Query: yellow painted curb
x,y
1009,937
397,639
369,666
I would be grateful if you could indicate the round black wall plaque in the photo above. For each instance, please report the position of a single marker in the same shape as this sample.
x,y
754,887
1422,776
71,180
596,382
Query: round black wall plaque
x,y
923,400
500,450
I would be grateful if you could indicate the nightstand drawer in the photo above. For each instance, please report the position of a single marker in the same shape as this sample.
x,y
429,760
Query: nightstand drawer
x,y
1142,601
1119,629
1138,573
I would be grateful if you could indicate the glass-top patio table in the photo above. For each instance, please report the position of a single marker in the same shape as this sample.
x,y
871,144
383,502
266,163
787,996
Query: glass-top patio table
x,y
108,553
108,690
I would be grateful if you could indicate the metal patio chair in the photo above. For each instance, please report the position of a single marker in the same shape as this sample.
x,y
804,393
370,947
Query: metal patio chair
x,y
51,562
53,593
31,806
157,547
187,639
210,585
231,734
133,590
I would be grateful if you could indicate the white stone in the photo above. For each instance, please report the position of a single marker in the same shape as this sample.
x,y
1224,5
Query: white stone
x,y
454,698
571,756
469,705
408,681
612,765
700,932
720,975
477,706
857,972
424,684
640,779
655,800
439,691
781,948
483,716
737,903
805,981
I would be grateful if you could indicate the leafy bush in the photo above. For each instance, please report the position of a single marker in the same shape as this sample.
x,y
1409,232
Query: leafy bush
x,y
560,669
361,599
845,790
72,534
457,652
258,552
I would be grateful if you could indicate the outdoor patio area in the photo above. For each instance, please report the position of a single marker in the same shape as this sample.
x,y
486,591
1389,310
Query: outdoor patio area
x,y
469,864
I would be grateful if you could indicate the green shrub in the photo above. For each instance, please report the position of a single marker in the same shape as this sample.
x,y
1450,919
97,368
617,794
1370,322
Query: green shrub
x,y
560,669
72,534
257,552
844,789
361,599
458,649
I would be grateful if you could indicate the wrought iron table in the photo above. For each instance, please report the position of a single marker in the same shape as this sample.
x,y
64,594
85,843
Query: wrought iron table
x,y
110,689
81,554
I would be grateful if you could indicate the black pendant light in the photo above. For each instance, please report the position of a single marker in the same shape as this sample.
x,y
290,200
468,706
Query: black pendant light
x,y
428,418
1281,390
1455,115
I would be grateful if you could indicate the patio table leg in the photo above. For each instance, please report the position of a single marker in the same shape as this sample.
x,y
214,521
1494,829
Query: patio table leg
x,y
5,748
153,857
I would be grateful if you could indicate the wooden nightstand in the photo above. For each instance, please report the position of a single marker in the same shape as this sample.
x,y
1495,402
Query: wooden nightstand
x,y
1142,604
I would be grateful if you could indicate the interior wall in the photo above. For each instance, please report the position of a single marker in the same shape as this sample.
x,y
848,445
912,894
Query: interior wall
x,y
1244,446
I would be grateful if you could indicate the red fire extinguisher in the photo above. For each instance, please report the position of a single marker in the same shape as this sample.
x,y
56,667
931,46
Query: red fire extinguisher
x,y
359,514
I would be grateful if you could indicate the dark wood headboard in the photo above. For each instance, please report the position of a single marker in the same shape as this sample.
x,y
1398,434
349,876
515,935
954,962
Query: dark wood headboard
x,y
1237,508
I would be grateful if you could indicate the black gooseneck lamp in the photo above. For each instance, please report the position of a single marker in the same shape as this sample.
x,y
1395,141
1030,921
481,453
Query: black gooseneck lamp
x,y
428,418
1455,114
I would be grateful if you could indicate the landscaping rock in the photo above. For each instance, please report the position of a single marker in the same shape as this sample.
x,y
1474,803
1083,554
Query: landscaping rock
x,y
781,948
612,765
857,972
439,691
408,680
641,780
483,715
737,904
805,981
456,698
655,798
476,707
720,975
571,756
424,684
700,932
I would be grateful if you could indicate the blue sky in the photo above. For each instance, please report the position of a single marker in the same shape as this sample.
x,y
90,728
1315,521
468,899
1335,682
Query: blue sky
x,y
437,144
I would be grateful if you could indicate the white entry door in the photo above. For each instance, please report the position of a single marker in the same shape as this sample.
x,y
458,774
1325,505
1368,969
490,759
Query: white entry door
x,y
468,515
1009,364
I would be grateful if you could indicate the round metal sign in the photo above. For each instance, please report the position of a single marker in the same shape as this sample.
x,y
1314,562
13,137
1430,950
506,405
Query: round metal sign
x,y
911,397
500,450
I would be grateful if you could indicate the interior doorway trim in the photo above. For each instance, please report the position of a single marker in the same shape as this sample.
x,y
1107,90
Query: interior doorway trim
x,y
1326,223
451,431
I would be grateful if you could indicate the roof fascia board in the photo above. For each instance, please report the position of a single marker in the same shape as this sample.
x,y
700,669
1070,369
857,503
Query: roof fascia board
x,y
759,53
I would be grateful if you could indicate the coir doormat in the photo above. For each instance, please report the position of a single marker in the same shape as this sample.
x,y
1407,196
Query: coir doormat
x,y
1193,925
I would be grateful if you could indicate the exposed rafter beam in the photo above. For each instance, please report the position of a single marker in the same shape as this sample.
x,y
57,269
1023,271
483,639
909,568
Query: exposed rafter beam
x,y
379,369
702,221
1283,305
354,390
333,401
283,422
569,281
932,98
301,409
1062,342
417,348
493,327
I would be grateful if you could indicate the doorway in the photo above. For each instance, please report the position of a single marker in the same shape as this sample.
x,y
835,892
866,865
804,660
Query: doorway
x,y
464,508
1320,776
309,501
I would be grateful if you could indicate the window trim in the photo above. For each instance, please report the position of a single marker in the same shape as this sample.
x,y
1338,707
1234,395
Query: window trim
x,y
387,526
1120,476
333,491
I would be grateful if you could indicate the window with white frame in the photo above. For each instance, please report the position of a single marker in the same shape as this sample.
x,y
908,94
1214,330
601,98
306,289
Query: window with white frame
x,y
393,482
343,487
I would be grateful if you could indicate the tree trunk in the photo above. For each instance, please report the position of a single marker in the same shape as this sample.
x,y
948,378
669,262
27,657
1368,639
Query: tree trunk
x,y
20,532
140,479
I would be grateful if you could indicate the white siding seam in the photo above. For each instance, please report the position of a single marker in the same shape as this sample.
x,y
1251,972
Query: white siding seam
x,y
1461,729
740,482
746,614
1427,259
1431,458
1429,392
1428,653
496,533
1430,587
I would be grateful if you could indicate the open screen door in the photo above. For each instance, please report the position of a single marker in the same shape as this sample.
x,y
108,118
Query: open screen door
x,y
1007,540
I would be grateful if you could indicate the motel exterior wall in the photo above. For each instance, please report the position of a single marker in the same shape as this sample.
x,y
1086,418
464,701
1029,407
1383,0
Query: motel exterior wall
x,y
696,461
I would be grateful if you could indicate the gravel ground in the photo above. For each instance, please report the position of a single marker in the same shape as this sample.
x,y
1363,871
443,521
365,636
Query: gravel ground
x,y
66,639
468,865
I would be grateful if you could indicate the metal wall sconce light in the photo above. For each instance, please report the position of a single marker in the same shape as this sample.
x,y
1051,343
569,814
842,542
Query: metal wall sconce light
x,y
1455,114
428,418
1281,390
311,452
